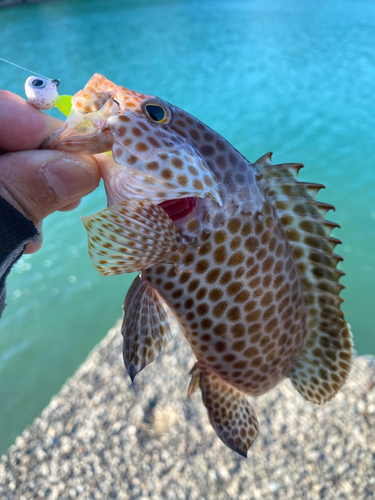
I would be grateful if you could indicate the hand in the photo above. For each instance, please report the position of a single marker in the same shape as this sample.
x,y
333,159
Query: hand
x,y
38,182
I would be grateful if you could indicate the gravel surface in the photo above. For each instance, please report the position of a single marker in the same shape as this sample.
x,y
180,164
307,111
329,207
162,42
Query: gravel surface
x,y
102,438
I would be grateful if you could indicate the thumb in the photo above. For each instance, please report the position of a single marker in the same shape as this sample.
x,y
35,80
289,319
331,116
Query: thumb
x,y
38,183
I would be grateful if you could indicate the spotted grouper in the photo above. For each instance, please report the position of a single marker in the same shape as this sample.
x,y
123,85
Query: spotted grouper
x,y
239,252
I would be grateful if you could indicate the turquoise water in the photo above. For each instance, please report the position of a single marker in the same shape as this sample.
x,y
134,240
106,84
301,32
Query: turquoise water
x,y
296,78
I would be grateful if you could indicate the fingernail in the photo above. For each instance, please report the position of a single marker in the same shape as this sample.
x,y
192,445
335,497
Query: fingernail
x,y
69,179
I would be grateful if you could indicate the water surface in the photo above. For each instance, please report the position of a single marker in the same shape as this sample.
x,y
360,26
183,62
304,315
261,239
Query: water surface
x,y
295,78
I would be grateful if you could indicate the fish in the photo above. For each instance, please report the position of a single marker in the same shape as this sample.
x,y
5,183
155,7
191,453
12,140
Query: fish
x,y
240,253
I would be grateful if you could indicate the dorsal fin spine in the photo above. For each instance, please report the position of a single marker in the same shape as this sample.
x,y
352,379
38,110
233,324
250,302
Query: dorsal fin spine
x,y
324,207
334,242
331,225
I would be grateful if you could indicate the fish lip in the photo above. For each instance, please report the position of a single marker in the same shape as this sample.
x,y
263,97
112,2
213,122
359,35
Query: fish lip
x,y
80,129
99,141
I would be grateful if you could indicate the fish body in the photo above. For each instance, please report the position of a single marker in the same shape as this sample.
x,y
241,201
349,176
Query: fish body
x,y
239,252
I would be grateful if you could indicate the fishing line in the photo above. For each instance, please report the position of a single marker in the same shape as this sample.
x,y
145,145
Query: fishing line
x,y
32,72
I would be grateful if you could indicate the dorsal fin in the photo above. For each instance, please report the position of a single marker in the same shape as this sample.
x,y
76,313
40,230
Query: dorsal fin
x,y
325,360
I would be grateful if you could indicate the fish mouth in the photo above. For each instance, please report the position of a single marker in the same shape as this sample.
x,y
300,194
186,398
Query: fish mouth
x,y
179,208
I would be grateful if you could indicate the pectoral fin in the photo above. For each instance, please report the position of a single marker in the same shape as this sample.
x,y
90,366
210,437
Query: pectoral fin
x,y
229,411
145,328
131,236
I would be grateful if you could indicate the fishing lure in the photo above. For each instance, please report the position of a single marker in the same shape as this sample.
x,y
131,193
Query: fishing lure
x,y
42,91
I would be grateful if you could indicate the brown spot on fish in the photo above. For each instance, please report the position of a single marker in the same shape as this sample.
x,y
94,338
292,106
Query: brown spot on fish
x,y
246,229
141,147
236,259
226,277
184,278
234,287
219,309
127,142
202,309
220,255
234,314
221,161
132,160
152,165
177,162
220,237
201,293
206,324
251,352
238,330
189,303
220,346
137,132
153,142
202,266
234,226
167,174
251,244
220,329
194,134
182,180
212,275
205,248
215,294
121,130
193,171
193,285
198,185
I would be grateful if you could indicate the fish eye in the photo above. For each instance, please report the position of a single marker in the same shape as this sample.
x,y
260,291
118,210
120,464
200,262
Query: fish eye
x,y
155,112
40,84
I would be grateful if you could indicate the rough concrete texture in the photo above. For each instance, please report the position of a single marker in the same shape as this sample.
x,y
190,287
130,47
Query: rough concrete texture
x,y
102,438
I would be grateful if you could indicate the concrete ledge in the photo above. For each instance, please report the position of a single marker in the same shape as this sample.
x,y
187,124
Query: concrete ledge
x,y
102,438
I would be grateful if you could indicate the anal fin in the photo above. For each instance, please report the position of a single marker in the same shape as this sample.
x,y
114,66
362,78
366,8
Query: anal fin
x,y
229,410
131,236
145,327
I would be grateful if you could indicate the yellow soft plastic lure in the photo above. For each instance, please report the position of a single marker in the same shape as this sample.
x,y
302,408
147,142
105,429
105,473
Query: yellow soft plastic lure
x,y
64,104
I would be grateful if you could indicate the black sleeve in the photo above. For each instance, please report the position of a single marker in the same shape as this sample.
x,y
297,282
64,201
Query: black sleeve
x,y
15,233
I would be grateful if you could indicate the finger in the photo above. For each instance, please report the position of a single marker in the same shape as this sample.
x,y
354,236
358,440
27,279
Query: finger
x,y
71,206
22,125
39,182
33,247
